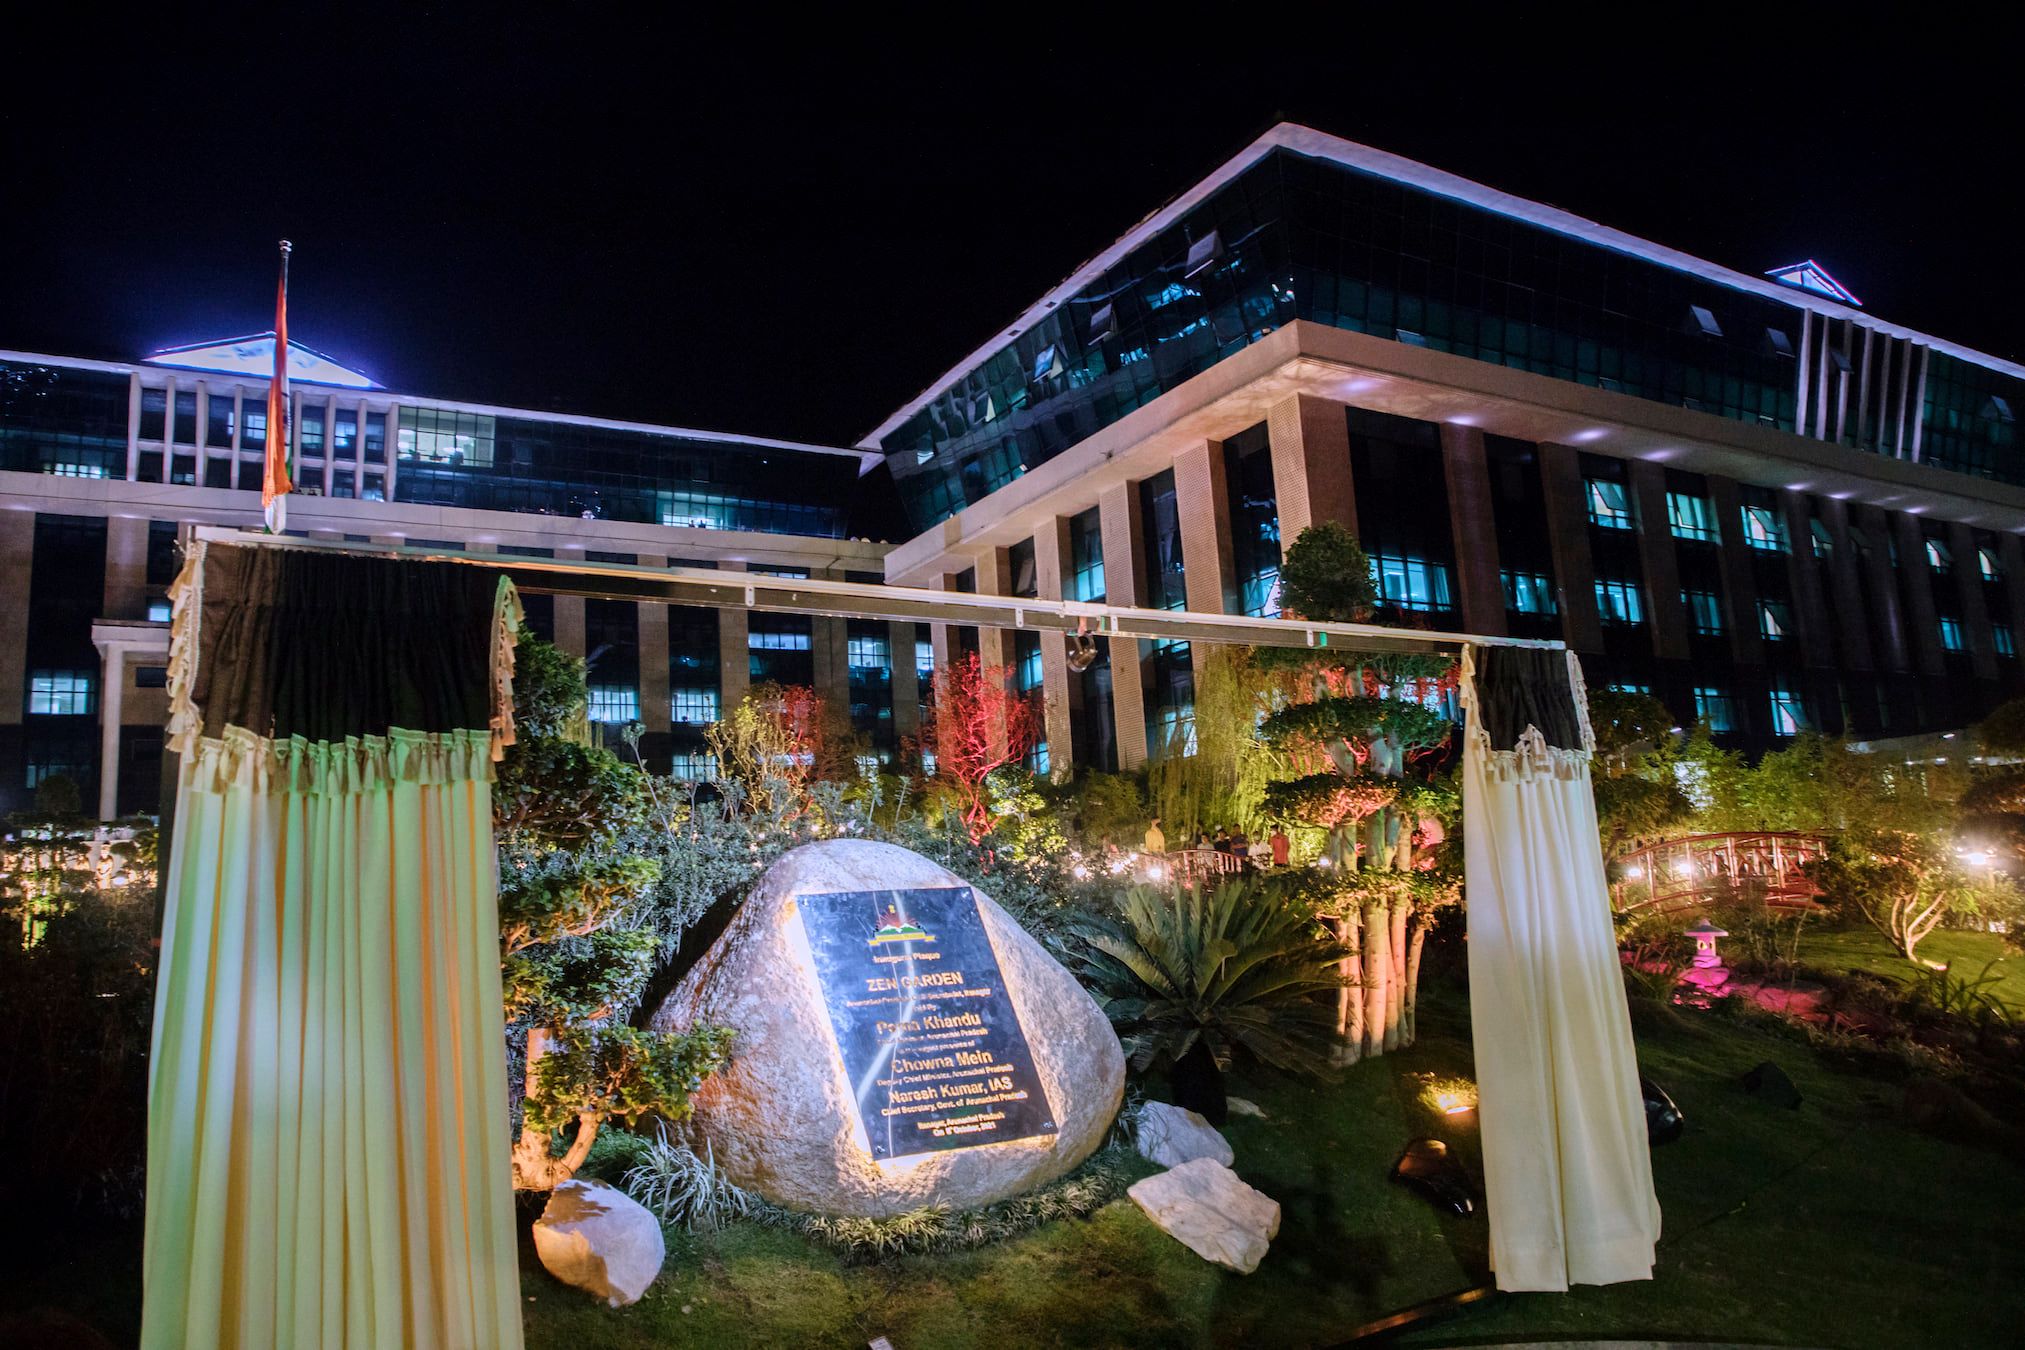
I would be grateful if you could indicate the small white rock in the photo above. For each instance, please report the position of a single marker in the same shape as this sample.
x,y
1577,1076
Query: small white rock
x,y
1170,1136
599,1239
1205,1207
1240,1106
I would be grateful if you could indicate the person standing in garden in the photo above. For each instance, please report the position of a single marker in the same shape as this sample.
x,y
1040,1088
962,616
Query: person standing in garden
x,y
1156,841
1281,845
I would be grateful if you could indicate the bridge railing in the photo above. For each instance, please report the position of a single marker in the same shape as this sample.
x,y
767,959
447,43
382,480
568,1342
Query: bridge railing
x,y
1681,873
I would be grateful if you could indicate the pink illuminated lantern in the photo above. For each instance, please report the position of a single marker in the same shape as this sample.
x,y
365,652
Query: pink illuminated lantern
x,y
1705,934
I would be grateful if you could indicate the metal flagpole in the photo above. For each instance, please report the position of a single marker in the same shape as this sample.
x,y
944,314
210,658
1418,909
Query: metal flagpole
x,y
275,480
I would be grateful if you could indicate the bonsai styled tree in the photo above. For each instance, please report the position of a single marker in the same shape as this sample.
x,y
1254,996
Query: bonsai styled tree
x,y
575,829
977,725
1904,883
1362,738
1196,977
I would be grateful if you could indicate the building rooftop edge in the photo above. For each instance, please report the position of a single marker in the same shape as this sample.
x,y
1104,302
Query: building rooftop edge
x,y
867,459
1321,145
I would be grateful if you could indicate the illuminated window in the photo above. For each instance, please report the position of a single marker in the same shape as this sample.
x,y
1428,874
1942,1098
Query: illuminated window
x,y
1789,715
160,611
614,704
2005,639
70,468
1951,636
869,653
696,767
1619,602
1692,517
344,434
1609,505
253,432
1027,662
1940,557
1623,688
309,436
776,641
924,659
1174,730
1037,761
1705,612
1086,557
1529,593
1763,530
1410,583
693,707
1824,542
438,436
1716,710
1986,559
1775,620
60,693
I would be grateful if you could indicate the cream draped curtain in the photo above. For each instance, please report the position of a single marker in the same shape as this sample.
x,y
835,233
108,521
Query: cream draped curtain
x,y
1567,1172
328,1152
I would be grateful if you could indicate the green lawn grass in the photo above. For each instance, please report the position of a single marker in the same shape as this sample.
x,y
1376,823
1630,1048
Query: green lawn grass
x,y
1968,954
1827,1226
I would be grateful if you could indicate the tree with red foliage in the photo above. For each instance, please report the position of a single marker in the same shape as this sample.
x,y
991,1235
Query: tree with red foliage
x,y
976,723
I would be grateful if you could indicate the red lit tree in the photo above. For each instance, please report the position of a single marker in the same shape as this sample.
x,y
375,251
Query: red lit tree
x,y
976,724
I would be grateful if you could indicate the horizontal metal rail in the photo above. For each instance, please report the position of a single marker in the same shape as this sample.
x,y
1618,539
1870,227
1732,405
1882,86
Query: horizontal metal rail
x,y
868,600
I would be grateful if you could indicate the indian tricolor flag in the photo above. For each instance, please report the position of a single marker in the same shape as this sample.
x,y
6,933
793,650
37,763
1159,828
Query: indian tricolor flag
x,y
275,484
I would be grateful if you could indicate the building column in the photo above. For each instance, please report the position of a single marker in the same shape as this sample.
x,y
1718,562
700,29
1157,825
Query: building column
x,y
1817,635
1845,608
995,645
134,427
1920,613
126,568
17,566
1202,500
1658,562
734,651
1310,440
392,447
942,636
1123,530
569,609
1975,612
1473,526
1567,507
112,683
1885,606
654,712
330,451
1051,557
1740,583
906,683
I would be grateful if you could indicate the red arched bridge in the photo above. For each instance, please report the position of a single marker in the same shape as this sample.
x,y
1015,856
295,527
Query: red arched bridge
x,y
1693,870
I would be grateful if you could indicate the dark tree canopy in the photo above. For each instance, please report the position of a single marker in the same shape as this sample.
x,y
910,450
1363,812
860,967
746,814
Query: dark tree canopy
x,y
1326,575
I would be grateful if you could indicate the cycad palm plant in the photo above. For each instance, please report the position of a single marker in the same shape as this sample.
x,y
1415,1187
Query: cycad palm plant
x,y
1197,977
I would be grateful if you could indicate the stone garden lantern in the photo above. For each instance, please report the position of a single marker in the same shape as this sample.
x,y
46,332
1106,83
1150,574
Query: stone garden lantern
x,y
1705,934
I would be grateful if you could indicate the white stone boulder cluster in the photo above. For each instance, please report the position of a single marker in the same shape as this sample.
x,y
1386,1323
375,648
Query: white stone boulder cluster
x,y
1198,1200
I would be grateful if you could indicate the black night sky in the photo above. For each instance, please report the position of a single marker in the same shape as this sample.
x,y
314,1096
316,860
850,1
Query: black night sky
x,y
789,231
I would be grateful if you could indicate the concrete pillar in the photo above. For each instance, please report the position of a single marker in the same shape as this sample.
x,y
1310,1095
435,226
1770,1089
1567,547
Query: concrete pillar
x,y
942,636
1473,526
734,651
330,450
203,430
1975,611
1805,572
1918,577
133,426
1202,500
126,568
830,661
1310,440
1740,583
1658,563
654,716
1844,605
906,684
393,446
1882,604
111,704
17,566
569,609
1051,563
1567,505
1123,529
995,645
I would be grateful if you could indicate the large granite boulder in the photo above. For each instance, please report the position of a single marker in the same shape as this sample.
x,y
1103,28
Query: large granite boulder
x,y
783,1117
599,1240
1205,1207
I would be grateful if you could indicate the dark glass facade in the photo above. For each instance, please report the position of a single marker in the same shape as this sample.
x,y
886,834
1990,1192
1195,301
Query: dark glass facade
x,y
62,420
1295,237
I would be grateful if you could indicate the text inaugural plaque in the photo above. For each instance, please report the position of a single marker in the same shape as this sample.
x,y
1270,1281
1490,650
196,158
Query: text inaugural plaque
x,y
935,1053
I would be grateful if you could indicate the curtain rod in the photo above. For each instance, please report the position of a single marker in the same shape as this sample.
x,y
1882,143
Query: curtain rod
x,y
864,600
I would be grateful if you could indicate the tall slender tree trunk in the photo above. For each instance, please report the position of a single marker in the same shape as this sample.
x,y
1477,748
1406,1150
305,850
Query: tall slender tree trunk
x,y
1411,990
1377,977
1350,998
535,1167
1396,1034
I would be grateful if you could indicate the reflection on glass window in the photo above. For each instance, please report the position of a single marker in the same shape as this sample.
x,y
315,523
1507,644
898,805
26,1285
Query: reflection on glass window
x,y
1609,505
1789,715
1411,583
1715,709
1529,593
1951,636
697,767
1763,529
1775,620
1619,602
1692,517
1986,559
60,693
2005,639
693,707
612,703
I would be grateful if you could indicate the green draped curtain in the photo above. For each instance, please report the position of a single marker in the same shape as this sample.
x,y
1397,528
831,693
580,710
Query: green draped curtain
x,y
328,1153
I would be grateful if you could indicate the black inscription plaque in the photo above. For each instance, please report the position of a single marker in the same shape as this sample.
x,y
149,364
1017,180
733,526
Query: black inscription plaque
x,y
935,1053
